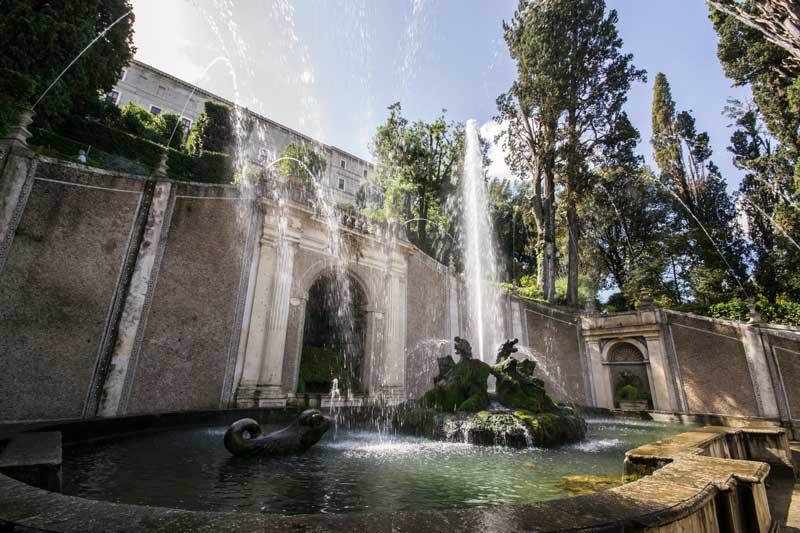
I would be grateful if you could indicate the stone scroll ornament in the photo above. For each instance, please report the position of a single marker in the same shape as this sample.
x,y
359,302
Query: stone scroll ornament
x,y
244,437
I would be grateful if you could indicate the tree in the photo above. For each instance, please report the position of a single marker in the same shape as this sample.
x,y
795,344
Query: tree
x,y
769,202
567,102
626,232
40,39
707,241
213,131
530,113
512,224
417,164
777,20
303,161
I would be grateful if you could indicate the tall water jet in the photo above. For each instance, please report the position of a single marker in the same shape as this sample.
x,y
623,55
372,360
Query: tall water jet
x,y
484,311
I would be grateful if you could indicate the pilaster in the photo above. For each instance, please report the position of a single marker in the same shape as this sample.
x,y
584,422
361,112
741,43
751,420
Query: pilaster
x,y
112,400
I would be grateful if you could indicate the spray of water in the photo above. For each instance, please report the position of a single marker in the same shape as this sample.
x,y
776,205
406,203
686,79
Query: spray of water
x,y
484,307
77,57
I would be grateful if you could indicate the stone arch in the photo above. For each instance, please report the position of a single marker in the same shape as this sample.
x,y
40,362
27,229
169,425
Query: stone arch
x,y
625,352
628,366
332,345
304,282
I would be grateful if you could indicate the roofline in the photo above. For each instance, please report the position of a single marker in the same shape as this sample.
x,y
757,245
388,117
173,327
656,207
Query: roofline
x,y
259,116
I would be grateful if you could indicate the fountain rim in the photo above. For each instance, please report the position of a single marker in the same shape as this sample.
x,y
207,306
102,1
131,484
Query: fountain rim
x,y
27,506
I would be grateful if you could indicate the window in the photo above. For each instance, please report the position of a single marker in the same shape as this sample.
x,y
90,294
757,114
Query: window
x,y
263,155
344,165
155,110
112,97
124,73
187,123
341,182
365,173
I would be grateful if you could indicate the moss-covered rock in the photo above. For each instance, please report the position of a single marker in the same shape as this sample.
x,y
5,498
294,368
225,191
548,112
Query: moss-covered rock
x,y
461,388
583,485
518,389
518,429
553,429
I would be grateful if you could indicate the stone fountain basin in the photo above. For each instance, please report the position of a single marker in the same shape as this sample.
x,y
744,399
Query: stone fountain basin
x,y
678,482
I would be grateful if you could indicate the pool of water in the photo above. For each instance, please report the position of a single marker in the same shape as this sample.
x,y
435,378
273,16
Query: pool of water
x,y
348,471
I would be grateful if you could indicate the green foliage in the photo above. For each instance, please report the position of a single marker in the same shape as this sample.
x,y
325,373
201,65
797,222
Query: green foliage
x,y
565,113
209,167
516,231
54,145
40,38
617,303
417,164
303,162
15,90
137,121
587,291
705,241
734,310
783,312
319,366
629,388
213,130
112,141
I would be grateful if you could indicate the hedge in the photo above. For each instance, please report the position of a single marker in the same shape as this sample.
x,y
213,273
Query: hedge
x,y
67,149
210,167
113,141
785,313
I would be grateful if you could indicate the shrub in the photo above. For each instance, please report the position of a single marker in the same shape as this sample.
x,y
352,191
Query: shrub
x,y
733,310
616,303
784,313
113,141
15,91
213,131
210,167
629,388
313,164
137,121
55,145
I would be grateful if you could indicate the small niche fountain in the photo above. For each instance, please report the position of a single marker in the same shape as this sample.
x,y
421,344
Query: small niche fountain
x,y
460,407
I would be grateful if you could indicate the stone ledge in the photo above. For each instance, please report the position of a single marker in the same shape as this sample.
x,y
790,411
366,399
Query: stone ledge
x,y
694,491
33,458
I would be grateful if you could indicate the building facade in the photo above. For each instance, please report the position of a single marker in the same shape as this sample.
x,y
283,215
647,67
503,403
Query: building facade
x,y
159,92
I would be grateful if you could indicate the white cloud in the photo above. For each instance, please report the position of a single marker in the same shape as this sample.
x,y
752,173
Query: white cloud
x,y
498,168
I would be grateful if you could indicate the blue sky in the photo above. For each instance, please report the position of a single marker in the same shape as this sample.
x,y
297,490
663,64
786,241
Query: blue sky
x,y
330,68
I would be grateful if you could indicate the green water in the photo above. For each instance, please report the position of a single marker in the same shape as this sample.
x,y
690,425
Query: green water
x,y
346,472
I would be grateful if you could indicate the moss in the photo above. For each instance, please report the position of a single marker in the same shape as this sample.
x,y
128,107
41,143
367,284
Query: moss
x,y
583,485
517,388
553,429
462,389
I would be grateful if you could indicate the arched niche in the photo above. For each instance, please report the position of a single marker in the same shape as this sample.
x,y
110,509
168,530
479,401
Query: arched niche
x,y
334,335
629,369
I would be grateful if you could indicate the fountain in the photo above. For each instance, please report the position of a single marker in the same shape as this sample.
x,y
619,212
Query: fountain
x,y
460,408
484,312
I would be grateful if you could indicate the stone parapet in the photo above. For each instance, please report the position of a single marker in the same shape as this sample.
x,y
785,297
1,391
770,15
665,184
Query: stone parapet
x,y
694,491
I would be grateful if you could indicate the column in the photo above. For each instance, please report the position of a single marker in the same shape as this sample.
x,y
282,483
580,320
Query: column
x,y
392,378
262,373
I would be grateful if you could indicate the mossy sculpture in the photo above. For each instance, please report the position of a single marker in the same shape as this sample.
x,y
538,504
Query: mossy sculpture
x,y
459,407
